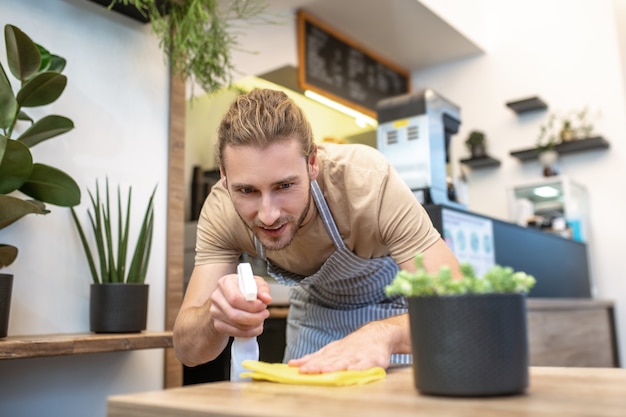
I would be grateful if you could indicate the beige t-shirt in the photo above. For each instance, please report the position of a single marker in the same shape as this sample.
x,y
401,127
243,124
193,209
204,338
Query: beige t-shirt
x,y
376,213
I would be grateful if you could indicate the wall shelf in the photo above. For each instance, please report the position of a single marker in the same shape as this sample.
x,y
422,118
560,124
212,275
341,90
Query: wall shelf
x,y
131,11
527,105
482,162
21,347
572,146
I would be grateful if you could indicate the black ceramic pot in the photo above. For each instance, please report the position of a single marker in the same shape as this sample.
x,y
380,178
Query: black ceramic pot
x,y
118,308
469,345
6,287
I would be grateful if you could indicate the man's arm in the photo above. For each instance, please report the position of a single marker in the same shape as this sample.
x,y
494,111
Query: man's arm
x,y
214,309
372,344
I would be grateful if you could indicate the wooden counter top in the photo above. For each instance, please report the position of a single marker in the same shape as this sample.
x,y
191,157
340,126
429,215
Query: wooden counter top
x,y
571,392
19,347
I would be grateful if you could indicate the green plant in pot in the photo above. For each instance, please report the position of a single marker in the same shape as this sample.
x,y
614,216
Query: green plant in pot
x,y
476,143
546,147
119,293
197,35
38,73
468,335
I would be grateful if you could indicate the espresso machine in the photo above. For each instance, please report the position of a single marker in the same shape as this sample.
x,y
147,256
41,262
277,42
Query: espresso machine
x,y
414,133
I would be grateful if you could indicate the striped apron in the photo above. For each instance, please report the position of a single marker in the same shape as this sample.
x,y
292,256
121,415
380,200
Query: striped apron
x,y
346,293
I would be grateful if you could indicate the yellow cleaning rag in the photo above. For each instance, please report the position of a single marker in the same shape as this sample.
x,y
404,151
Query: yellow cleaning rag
x,y
283,373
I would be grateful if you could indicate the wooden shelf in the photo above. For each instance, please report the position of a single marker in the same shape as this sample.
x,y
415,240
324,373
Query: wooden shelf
x,y
527,105
572,146
483,162
20,347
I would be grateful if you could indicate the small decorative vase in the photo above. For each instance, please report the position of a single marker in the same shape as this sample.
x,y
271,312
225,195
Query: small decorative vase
x,y
549,161
6,287
118,308
469,345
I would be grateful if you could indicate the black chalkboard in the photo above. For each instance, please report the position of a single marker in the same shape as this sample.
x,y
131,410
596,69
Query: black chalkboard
x,y
339,68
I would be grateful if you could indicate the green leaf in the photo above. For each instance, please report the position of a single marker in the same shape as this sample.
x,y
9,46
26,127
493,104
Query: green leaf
x,y
57,63
13,209
16,166
46,128
22,53
83,240
43,89
3,146
8,103
23,116
8,254
45,59
51,185
141,256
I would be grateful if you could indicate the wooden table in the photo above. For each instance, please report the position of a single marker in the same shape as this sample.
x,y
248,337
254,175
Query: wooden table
x,y
554,392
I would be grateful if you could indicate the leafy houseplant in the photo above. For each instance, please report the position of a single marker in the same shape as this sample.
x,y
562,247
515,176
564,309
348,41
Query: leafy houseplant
x,y
196,35
40,83
546,142
468,335
110,309
477,144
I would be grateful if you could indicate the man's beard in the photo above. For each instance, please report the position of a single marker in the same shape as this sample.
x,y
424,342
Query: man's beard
x,y
274,244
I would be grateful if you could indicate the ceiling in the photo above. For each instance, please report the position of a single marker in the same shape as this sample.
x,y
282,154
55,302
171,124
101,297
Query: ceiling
x,y
404,32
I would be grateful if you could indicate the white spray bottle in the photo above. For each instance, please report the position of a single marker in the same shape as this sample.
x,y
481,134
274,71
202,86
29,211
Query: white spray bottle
x,y
244,348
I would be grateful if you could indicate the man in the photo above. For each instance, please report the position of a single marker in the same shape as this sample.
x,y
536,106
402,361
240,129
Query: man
x,y
333,221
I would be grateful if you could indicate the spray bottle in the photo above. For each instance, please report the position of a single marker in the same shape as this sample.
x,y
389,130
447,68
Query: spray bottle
x,y
244,348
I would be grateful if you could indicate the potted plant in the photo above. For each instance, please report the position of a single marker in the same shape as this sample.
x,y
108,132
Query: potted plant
x,y
40,83
476,144
546,151
468,335
119,293
197,36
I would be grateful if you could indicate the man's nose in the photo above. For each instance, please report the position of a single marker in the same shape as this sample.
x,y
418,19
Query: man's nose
x,y
268,210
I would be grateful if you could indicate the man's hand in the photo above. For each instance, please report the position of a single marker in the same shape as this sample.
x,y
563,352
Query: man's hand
x,y
367,347
232,314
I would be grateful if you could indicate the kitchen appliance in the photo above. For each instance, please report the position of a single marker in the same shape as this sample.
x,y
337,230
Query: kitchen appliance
x,y
414,133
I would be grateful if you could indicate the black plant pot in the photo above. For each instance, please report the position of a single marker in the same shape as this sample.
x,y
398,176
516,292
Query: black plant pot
x,y
118,308
6,286
469,345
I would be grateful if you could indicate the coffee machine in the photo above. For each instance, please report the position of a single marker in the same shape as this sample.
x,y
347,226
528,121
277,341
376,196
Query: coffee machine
x,y
414,133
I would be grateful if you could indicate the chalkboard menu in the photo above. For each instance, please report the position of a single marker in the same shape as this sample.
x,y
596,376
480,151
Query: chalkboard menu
x,y
336,67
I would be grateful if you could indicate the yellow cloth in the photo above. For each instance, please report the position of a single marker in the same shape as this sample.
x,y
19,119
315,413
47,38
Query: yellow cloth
x,y
283,373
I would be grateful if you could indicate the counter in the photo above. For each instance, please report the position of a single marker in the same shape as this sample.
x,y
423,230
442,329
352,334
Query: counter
x,y
572,392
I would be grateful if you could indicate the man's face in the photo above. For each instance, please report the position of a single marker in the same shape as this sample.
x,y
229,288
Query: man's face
x,y
270,189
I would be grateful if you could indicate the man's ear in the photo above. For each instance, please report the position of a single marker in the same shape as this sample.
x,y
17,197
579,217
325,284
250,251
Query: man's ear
x,y
223,178
314,168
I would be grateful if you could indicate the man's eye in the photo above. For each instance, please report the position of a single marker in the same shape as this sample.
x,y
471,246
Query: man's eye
x,y
285,186
246,190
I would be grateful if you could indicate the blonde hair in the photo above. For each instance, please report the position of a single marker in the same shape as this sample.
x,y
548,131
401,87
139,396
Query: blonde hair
x,y
260,118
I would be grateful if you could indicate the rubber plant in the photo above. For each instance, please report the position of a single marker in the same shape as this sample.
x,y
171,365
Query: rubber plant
x,y
38,73
112,243
197,35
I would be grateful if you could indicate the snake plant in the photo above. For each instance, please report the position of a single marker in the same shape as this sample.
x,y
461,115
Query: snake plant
x,y
112,244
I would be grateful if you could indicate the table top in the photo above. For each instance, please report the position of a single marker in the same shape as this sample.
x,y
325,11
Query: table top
x,y
598,392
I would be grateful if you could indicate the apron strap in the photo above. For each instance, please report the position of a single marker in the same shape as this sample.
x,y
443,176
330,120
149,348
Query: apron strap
x,y
327,217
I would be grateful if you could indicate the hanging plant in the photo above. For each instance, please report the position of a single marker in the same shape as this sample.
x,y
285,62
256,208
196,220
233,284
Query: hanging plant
x,y
197,35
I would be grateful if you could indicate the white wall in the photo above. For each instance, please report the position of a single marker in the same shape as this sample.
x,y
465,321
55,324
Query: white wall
x,y
567,52
117,96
